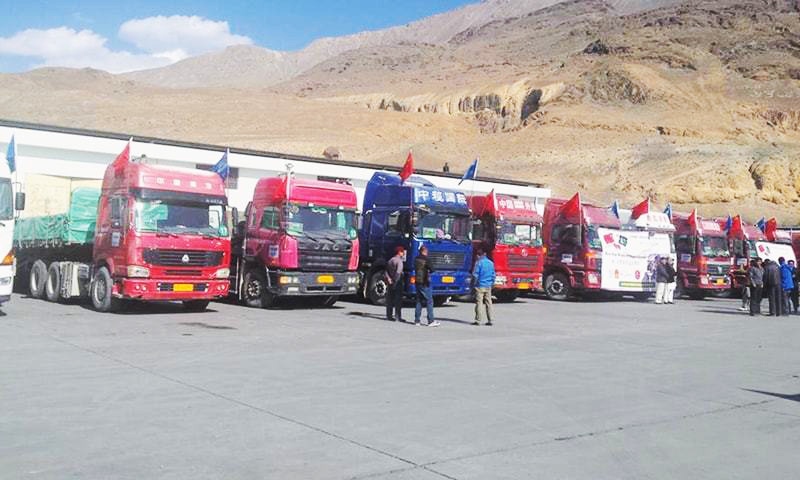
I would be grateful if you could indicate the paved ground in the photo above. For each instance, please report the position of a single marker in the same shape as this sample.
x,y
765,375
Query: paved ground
x,y
595,390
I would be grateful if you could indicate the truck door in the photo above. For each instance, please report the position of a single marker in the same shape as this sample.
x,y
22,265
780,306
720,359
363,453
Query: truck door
x,y
110,237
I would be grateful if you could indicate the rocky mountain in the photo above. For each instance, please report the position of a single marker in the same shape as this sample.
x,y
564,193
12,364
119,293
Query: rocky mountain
x,y
694,103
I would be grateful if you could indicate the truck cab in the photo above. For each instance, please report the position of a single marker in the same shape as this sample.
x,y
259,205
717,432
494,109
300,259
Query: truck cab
x,y
411,214
509,230
573,246
704,259
161,234
299,239
742,239
8,205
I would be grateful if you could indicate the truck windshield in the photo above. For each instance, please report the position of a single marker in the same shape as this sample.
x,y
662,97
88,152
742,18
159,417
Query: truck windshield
x,y
714,246
321,220
593,238
519,234
752,251
180,218
6,200
444,226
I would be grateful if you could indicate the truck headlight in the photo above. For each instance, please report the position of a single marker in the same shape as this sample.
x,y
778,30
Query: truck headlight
x,y
136,271
500,280
223,273
352,279
287,279
6,281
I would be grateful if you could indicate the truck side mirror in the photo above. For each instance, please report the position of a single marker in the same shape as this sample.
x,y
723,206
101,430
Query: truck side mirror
x,y
19,201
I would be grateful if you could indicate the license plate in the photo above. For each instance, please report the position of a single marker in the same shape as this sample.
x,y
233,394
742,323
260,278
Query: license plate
x,y
448,280
524,286
720,281
183,287
325,279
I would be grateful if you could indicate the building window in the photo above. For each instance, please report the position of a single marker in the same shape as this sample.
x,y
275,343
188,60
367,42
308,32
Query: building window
x,y
231,183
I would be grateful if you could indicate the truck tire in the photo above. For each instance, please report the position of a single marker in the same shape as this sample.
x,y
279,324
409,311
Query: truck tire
x,y
377,288
52,288
255,291
557,287
38,278
101,292
507,296
196,305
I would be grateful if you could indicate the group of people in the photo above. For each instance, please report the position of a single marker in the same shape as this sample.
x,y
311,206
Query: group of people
x,y
778,282
483,277
665,280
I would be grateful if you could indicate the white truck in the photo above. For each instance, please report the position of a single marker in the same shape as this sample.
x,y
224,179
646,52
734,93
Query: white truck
x,y
8,203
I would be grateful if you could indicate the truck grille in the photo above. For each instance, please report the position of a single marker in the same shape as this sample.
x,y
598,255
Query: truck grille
x,y
518,262
446,260
183,273
718,269
182,258
329,261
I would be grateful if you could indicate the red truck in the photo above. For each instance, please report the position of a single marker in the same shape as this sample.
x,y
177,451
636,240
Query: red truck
x,y
510,231
704,260
573,247
151,234
299,238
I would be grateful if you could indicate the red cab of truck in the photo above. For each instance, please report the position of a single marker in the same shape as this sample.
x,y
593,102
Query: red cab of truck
x,y
299,238
161,234
573,248
509,230
742,240
704,260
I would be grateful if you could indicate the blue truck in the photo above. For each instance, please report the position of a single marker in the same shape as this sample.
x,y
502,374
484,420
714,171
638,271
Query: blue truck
x,y
411,214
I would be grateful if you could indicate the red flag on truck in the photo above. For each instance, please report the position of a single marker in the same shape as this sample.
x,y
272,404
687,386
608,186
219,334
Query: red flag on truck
x,y
573,208
123,158
408,168
771,228
693,220
641,209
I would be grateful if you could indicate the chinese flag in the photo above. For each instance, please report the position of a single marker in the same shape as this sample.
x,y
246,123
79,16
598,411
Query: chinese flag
x,y
490,204
641,209
693,220
772,227
573,208
408,168
736,225
122,159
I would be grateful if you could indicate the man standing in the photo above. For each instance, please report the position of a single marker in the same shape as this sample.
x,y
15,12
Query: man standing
x,y
395,285
422,280
661,280
672,277
787,285
745,288
795,291
772,286
755,280
483,278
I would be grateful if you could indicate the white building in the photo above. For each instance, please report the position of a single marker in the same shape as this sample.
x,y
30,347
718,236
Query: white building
x,y
57,159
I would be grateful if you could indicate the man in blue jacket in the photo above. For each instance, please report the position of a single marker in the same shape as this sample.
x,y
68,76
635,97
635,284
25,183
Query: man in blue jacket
x,y
483,279
787,285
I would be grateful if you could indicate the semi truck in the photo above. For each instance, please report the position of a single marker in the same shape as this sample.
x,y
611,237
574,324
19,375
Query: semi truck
x,y
704,260
9,203
150,234
509,230
742,239
589,250
299,238
411,214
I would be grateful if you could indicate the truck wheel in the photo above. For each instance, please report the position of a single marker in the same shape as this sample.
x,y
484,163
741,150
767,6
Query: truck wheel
x,y
52,288
101,292
440,301
256,294
196,305
377,289
557,287
507,296
38,279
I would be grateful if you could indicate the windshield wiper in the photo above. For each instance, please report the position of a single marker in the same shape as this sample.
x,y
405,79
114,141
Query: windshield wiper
x,y
166,234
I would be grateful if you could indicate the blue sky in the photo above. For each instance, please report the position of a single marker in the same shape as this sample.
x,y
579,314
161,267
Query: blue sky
x,y
36,33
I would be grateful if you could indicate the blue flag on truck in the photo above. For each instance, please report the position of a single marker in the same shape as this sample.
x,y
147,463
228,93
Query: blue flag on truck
x,y
615,208
762,224
729,224
471,172
668,211
11,155
221,168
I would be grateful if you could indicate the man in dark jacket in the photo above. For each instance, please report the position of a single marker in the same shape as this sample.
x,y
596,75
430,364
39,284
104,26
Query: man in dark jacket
x,y
755,281
662,278
795,290
422,281
772,286
396,285
672,277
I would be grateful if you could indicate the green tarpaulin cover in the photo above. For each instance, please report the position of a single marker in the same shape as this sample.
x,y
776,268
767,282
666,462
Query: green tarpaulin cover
x,y
75,226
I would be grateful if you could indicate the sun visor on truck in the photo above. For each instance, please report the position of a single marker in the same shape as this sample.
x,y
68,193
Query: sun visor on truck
x,y
169,196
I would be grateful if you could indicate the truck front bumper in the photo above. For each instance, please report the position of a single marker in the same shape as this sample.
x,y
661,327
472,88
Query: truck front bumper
x,y
156,290
314,283
518,281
